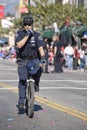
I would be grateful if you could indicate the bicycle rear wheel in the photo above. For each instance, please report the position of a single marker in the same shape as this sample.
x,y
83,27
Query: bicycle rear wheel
x,y
30,99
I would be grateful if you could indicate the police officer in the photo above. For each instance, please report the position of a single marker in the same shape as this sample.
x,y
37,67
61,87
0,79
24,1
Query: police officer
x,y
46,49
29,50
58,55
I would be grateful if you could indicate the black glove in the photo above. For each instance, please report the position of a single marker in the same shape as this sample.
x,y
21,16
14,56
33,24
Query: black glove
x,y
29,33
43,61
17,49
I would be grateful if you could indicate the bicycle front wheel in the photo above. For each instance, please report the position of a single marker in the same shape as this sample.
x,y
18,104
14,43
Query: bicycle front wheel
x,y
30,100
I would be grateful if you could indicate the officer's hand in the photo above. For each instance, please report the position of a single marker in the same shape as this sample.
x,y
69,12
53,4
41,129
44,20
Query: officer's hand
x,y
42,62
29,33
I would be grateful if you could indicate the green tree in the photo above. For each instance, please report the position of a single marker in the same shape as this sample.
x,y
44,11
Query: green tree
x,y
45,13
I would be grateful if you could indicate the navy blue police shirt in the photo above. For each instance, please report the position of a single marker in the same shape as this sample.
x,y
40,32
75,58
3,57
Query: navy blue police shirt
x,y
32,44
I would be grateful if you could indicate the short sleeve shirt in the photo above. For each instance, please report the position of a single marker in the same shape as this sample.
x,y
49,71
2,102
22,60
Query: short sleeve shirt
x,y
26,49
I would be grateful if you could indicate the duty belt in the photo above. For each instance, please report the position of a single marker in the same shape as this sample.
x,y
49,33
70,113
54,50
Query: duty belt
x,y
30,57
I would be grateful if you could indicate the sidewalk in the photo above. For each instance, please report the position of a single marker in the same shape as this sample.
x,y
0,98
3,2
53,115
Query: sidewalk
x,y
51,68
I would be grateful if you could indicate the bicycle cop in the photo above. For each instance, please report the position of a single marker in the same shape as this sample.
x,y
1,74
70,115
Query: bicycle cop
x,y
30,52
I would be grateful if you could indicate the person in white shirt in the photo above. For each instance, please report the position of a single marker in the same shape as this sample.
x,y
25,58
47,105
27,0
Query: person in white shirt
x,y
68,55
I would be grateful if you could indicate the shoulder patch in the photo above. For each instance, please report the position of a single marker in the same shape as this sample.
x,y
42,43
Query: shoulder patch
x,y
40,38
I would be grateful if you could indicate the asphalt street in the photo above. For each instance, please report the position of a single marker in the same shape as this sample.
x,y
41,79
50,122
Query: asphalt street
x,y
61,103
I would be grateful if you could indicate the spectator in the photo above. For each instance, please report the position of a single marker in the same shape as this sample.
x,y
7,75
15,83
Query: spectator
x,y
68,55
81,59
84,45
75,58
46,49
58,55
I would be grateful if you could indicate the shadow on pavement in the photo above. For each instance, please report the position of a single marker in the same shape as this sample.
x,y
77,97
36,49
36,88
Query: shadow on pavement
x,y
37,107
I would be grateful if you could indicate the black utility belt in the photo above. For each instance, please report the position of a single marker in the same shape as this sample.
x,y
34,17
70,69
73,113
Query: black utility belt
x,y
29,57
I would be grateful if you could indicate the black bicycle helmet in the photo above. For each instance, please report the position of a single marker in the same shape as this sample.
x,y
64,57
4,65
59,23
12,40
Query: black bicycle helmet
x,y
28,21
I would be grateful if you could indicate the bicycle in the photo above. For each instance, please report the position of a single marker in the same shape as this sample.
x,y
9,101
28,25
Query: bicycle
x,y
30,89
29,103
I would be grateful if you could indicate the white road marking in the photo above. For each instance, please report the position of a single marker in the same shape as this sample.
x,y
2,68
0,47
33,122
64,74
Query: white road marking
x,y
73,88
48,80
43,88
8,88
7,69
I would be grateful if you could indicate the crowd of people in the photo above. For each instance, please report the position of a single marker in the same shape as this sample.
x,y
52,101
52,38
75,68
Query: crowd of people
x,y
57,54
67,55
7,52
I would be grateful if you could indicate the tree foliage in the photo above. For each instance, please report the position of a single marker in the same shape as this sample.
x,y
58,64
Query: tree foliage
x,y
45,13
